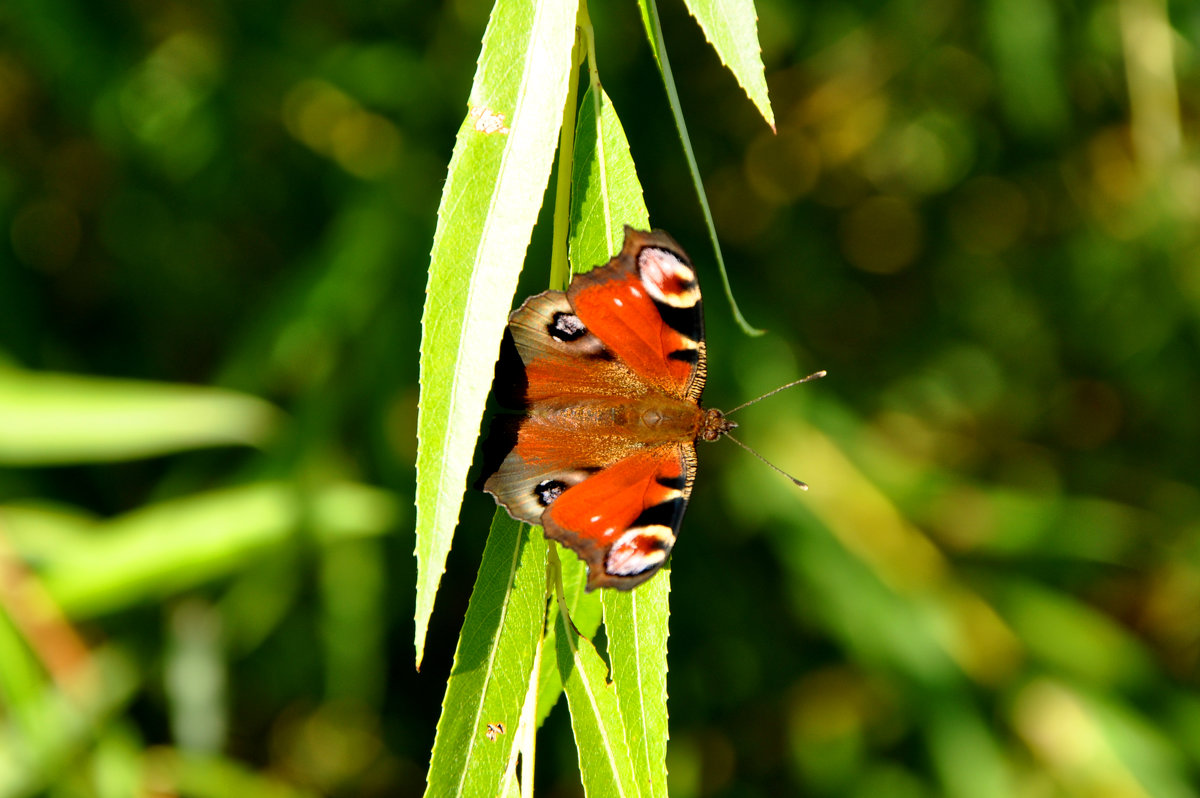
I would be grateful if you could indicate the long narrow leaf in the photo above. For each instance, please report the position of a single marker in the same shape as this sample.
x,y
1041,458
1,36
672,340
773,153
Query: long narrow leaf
x,y
494,187
585,614
492,664
53,419
604,761
162,549
605,192
658,47
607,195
636,624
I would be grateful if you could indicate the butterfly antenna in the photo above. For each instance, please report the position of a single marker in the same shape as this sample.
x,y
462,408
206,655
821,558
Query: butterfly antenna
x,y
816,375
796,482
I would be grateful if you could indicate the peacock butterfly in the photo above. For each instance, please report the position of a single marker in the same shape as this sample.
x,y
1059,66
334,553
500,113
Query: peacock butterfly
x,y
608,376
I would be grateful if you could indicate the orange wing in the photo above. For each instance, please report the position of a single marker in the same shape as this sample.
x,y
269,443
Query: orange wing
x,y
623,521
644,305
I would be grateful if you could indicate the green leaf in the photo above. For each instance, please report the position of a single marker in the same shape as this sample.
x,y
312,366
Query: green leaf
x,y
494,187
206,776
605,192
492,664
731,27
964,749
604,761
584,609
47,730
54,419
636,624
165,548
606,196
659,48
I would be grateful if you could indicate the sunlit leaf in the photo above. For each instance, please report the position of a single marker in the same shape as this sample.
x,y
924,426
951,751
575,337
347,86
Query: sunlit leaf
x,y
607,197
494,187
636,624
585,613
488,683
605,192
604,760
731,27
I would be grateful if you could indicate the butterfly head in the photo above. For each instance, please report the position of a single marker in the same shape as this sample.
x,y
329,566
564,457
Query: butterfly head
x,y
714,425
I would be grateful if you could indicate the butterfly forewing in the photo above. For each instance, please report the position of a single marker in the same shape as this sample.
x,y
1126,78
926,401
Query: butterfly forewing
x,y
644,304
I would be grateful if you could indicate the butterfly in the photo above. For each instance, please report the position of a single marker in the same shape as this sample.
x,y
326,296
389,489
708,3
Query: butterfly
x,y
608,376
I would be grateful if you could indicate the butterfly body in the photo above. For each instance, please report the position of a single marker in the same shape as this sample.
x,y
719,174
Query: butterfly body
x,y
608,376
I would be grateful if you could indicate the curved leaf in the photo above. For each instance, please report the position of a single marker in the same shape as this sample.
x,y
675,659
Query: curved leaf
x,y
658,46
605,192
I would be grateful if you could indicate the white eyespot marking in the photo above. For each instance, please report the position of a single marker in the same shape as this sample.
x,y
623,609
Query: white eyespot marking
x,y
594,519
635,292
639,550
618,302
609,531
668,279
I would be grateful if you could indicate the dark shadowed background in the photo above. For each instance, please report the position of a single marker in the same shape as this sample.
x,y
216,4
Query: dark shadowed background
x,y
981,218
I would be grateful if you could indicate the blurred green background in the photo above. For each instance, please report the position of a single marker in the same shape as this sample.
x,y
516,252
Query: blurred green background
x,y
981,218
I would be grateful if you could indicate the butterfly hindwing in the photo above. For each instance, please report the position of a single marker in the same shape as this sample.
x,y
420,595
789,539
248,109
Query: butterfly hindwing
x,y
623,520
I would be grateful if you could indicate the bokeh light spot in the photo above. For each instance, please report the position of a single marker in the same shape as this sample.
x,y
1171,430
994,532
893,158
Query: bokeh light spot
x,y
782,168
45,235
882,235
990,215
332,123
